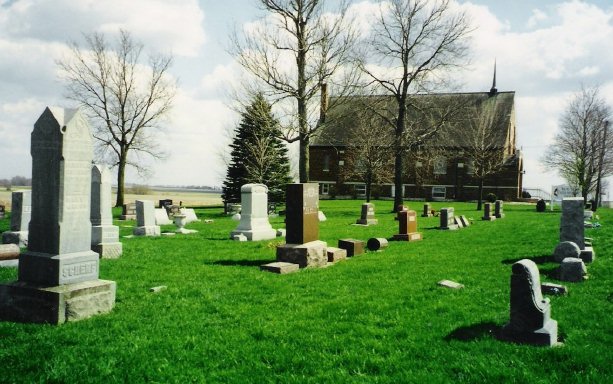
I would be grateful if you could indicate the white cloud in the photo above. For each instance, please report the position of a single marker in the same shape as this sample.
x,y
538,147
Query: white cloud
x,y
537,17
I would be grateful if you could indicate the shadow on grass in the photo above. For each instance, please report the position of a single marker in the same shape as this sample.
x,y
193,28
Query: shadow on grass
x,y
537,259
473,332
242,263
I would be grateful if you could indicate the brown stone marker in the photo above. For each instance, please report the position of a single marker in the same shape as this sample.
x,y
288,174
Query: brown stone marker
x,y
302,206
407,223
354,247
9,251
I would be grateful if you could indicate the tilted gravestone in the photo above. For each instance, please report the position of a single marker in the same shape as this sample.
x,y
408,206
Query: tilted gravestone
x,y
367,216
302,225
161,217
498,209
447,220
407,226
530,313
21,213
487,212
190,214
105,235
58,275
254,217
572,228
145,219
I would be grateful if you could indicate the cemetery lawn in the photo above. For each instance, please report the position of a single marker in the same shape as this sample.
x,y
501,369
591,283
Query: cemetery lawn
x,y
376,318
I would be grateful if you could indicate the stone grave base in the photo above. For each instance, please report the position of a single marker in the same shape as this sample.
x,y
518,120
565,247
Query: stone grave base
x,y
256,234
280,267
52,270
367,221
127,217
185,231
499,216
311,254
587,255
24,302
452,227
546,336
415,236
20,238
427,215
108,250
335,254
490,218
149,230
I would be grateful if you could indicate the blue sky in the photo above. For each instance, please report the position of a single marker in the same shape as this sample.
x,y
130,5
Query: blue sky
x,y
544,50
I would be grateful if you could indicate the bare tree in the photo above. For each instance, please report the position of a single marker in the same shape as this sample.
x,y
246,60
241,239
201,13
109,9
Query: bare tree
x,y
582,149
295,52
482,140
369,157
411,47
125,99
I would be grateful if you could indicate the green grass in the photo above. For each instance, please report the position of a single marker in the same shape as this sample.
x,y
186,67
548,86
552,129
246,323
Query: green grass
x,y
375,318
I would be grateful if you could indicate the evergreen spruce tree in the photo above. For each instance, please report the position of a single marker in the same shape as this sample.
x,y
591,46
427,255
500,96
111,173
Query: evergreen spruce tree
x,y
258,154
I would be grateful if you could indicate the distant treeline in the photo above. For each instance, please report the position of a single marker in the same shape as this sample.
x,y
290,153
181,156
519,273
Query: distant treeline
x,y
20,181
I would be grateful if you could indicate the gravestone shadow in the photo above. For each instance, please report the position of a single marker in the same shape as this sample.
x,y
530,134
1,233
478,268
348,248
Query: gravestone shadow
x,y
241,263
537,259
474,332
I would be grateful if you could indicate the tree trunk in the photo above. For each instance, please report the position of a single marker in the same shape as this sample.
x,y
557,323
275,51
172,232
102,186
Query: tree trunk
x,y
121,175
480,198
398,198
304,160
368,187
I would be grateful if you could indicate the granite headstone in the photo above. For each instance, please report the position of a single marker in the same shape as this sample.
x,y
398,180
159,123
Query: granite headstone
x,y
21,213
105,235
254,217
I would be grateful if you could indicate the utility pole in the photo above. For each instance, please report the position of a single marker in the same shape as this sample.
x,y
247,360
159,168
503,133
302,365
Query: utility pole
x,y
600,163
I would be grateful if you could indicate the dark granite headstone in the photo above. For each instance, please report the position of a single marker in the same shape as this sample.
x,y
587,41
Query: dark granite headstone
x,y
541,205
352,246
368,215
128,212
427,211
21,213
164,203
407,226
487,212
376,243
302,206
2,211
530,313
447,220
498,209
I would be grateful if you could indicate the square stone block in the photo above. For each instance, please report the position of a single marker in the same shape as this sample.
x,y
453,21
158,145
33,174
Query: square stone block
x,y
336,254
24,302
311,254
415,236
149,230
546,336
280,267
587,255
352,246
108,251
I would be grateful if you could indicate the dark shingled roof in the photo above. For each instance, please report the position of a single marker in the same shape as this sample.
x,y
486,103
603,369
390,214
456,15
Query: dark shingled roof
x,y
424,109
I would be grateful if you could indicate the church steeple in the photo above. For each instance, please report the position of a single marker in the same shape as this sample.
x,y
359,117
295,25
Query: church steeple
x,y
493,90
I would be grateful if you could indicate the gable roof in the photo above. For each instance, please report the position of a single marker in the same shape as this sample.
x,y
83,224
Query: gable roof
x,y
457,110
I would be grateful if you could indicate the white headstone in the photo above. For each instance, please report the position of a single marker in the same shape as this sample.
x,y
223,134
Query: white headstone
x,y
254,214
161,217
145,219
105,235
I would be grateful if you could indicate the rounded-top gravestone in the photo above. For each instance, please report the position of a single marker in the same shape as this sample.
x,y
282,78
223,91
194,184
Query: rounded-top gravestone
x,y
566,249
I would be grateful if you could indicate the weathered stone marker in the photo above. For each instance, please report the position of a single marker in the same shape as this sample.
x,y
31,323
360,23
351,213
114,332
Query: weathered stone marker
x,y
20,219
9,251
407,226
145,219
572,228
105,235
572,269
376,243
530,313
254,217
2,211
161,217
447,219
367,217
498,209
352,246
487,212
128,212
58,275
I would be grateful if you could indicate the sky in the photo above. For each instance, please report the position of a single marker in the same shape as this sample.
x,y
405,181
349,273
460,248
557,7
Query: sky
x,y
545,51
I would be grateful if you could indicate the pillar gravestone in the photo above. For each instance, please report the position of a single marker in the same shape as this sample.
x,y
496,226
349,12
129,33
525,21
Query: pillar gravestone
x,y
145,219
105,235
21,213
128,212
254,217
447,219
487,212
427,211
531,320
498,209
367,217
58,274
302,224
